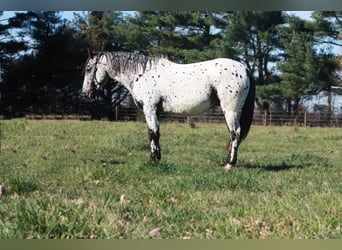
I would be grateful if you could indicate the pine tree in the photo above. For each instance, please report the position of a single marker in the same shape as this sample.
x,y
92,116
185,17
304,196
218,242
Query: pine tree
x,y
184,36
253,37
327,26
45,78
299,70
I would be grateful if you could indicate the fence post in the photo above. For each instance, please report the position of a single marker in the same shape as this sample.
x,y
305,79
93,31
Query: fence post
x,y
270,123
305,119
265,118
116,113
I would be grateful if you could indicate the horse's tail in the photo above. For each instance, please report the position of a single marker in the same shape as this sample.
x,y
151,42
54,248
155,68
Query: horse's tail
x,y
247,111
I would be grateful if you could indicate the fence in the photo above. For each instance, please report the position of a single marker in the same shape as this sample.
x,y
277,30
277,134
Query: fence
x,y
273,118
215,115
303,118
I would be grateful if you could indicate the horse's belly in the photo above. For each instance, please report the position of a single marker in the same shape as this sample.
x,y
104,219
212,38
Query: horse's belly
x,y
186,106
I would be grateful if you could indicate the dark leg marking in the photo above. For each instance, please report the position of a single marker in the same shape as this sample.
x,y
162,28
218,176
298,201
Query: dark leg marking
x,y
232,136
232,160
155,153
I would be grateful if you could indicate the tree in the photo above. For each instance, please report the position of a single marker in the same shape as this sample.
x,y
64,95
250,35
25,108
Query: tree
x,y
299,70
253,37
184,36
47,76
327,26
309,66
102,31
9,44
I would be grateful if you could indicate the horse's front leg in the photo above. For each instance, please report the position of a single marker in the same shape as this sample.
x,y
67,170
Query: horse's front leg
x,y
153,132
154,140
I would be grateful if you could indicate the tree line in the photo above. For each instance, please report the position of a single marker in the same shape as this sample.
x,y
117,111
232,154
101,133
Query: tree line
x,y
42,54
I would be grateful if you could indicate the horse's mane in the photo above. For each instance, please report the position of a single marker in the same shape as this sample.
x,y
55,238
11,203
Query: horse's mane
x,y
130,62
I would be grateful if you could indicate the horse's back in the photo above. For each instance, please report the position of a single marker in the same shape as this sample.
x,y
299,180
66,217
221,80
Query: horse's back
x,y
193,88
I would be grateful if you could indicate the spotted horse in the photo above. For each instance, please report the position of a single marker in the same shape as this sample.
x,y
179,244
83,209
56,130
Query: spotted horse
x,y
157,84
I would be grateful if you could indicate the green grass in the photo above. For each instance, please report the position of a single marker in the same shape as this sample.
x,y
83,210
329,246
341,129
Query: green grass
x,y
73,179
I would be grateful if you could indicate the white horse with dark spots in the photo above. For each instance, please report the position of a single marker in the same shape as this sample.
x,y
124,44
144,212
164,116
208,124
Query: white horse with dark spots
x,y
159,85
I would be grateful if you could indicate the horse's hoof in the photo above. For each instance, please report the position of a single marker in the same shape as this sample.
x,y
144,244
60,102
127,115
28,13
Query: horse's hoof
x,y
228,167
155,158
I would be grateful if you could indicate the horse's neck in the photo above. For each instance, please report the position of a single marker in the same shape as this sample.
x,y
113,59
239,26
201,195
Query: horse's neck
x,y
127,77
126,80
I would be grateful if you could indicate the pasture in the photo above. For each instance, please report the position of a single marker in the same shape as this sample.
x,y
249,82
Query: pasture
x,y
93,179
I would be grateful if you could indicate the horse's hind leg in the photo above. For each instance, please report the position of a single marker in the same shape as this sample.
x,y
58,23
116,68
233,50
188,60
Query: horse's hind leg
x,y
234,134
153,132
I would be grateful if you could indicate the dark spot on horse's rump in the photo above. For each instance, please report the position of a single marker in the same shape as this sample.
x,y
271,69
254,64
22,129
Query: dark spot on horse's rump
x,y
137,79
158,76
233,73
225,69
231,91
241,76
236,75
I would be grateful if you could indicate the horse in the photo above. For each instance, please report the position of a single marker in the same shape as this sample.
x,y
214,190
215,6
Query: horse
x,y
160,85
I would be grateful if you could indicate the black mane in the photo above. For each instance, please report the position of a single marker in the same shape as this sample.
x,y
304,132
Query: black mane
x,y
129,62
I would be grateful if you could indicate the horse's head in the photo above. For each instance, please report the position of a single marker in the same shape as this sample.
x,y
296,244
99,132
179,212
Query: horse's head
x,y
95,74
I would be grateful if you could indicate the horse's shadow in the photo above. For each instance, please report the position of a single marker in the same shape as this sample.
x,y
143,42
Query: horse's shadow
x,y
272,167
294,162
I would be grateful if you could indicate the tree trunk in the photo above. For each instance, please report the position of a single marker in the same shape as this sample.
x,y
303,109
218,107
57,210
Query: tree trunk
x,y
260,64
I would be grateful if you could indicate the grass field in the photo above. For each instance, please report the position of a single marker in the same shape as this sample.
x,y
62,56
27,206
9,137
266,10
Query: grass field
x,y
74,179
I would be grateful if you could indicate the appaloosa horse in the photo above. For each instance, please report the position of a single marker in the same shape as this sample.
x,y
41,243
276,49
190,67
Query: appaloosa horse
x,y
157,84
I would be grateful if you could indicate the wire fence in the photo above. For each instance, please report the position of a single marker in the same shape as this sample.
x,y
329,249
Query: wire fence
x,y
263,118
215,115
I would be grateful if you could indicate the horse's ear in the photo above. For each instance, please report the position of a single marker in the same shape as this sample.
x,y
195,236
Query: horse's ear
x,y
91,54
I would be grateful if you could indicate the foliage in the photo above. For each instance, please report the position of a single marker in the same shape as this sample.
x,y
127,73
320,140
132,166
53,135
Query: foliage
x,y
72,179
253,36
184,36
36,78
48,76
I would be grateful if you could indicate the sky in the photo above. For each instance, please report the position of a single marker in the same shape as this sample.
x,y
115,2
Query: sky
x,y
302,14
